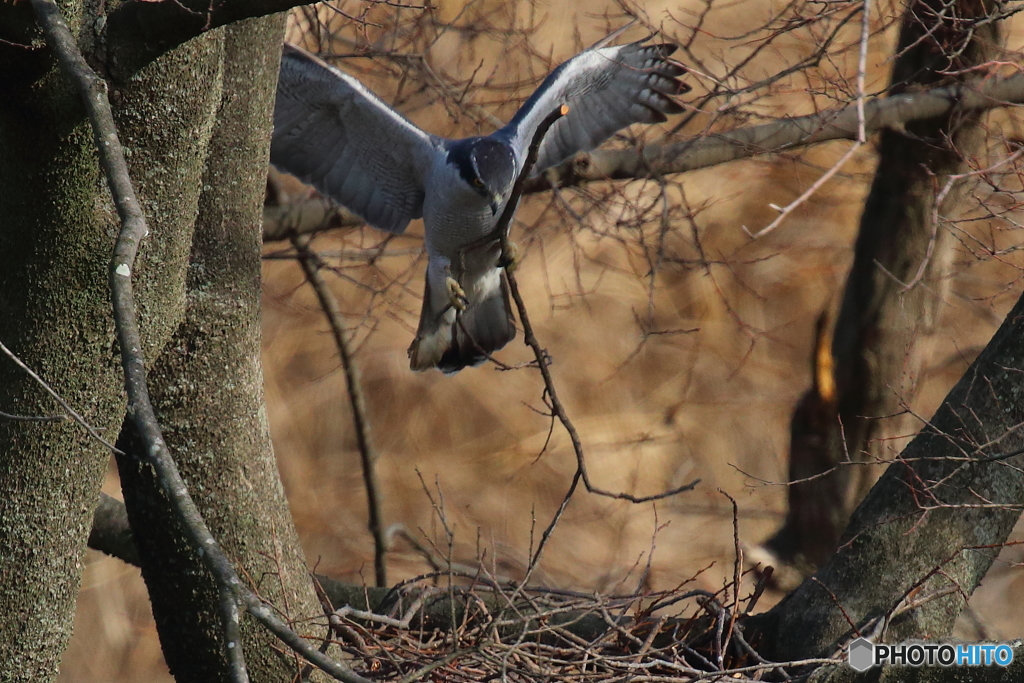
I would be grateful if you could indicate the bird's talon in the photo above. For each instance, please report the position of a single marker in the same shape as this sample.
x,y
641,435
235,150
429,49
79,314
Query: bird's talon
x,y
456,293
510,257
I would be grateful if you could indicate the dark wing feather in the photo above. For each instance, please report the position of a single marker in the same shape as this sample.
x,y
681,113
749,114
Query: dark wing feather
x,y
606,89
331,132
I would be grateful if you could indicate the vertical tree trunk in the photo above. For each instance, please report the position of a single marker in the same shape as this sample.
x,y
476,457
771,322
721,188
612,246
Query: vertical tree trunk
x,y
54,314
896,286
195,124
207,389
57,227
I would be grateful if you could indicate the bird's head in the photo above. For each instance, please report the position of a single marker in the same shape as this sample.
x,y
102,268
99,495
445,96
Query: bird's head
x,y
487,166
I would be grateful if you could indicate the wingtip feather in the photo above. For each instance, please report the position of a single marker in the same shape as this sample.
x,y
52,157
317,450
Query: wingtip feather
x,y
666,49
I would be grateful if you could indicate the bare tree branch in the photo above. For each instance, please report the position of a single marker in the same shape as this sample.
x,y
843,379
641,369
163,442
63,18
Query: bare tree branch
x,y
315,214
940,516
111,533
784,134
75,415
501,232
864,360
305,216
311,264
530,339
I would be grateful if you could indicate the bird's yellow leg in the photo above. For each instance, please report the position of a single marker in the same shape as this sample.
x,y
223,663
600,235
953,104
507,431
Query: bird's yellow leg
x,y
456,293
510,256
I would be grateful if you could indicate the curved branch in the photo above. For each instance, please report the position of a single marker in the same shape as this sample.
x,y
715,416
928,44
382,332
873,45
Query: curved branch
x,y
111,533
501,231
311,264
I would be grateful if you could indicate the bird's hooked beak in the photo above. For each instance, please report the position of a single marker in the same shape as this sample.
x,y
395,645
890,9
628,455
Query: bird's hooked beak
x,y
496,199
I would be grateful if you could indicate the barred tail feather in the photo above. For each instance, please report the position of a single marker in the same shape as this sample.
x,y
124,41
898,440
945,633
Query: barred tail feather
x,y
451,344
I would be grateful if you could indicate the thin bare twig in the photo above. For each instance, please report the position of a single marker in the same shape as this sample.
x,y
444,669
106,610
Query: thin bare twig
x,y
57,397
785,211
501,232
530,338
32,418
311,263
937,206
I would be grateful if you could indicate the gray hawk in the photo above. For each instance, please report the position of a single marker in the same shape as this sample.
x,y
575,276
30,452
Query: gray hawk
x,y
333,133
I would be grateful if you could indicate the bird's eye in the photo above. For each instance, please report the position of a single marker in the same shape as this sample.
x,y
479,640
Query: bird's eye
x,y
477,182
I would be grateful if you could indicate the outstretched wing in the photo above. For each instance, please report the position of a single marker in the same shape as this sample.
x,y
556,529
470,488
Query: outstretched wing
x,y
331,132
606,89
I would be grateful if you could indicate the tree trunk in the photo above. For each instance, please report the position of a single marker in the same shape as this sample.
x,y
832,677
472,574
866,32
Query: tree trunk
x,y
930,528
195,125
56,233
207,390
896,286
55,315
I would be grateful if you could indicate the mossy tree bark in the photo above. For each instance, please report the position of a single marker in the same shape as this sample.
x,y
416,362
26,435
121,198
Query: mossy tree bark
x,y
56,234
55,237
207,390
195,125
929,529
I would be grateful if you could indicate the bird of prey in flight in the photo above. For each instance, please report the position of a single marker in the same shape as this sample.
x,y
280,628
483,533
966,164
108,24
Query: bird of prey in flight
x,y
333,133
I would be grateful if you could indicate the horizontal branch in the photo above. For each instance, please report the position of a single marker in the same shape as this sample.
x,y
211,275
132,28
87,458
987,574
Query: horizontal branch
x,y
316,214
111,533
781,135
305,216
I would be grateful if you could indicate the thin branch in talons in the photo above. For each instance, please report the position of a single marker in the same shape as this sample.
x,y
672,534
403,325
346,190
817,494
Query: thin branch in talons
x,y
509,255
456,294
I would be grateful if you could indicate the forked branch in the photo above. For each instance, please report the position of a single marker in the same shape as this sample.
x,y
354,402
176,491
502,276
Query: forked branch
x,y
501,231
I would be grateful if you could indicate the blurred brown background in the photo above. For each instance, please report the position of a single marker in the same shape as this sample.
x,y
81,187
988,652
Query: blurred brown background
x,y
680,344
